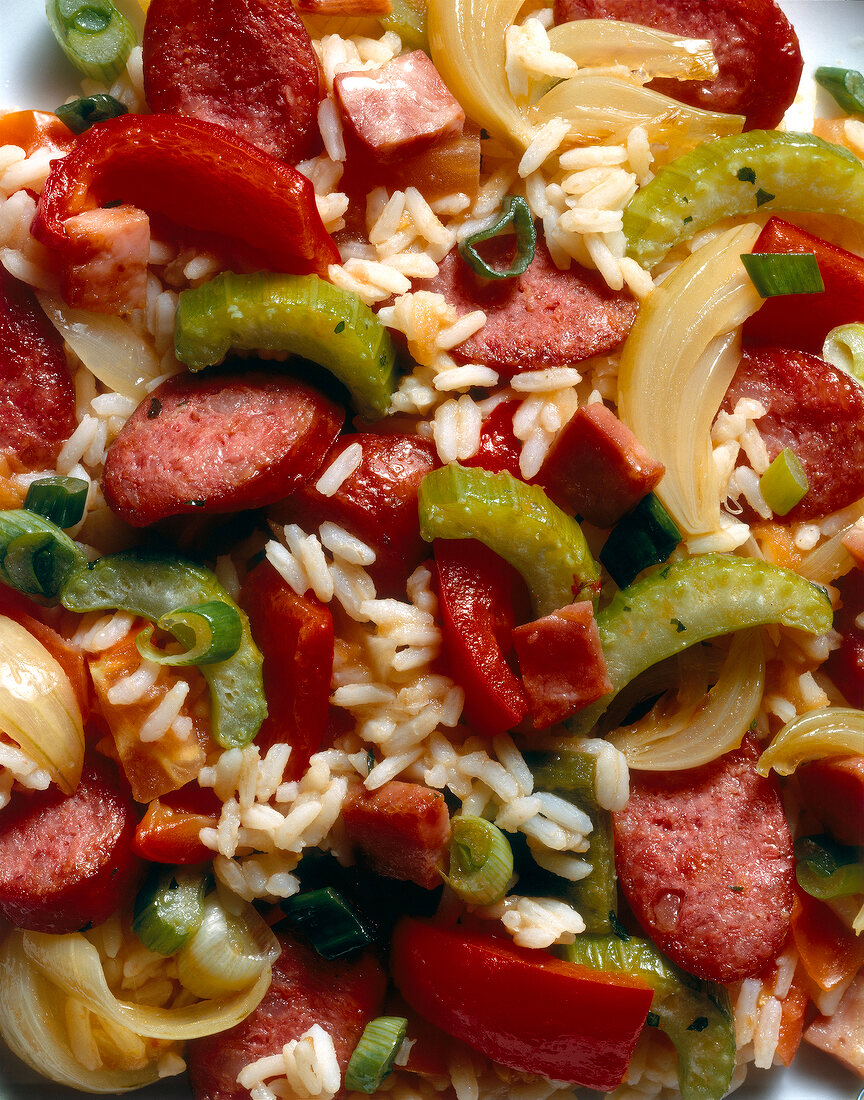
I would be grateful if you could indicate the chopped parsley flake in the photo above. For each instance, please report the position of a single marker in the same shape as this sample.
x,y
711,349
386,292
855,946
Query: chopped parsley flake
x,y
746,174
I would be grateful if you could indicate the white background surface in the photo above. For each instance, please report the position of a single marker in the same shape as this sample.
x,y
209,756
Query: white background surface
x,y
34,73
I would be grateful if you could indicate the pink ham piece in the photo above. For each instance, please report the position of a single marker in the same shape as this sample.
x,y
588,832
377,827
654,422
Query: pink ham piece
x,y
562,663
401,830
399,110
597,468
114,244
841,1034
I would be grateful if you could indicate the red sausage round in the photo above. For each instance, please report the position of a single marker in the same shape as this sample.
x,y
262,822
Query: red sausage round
x,y
754,44
816,411
704,857
340,996
68,861
218,442
247,65
37,400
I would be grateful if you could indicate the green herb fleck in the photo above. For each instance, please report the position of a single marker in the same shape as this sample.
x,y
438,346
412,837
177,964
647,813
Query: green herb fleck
x,y
370,760
763,196
617,927
340,327
652,1019
699,1024
679,626
689,218
746,174
195,503
737,889
154,408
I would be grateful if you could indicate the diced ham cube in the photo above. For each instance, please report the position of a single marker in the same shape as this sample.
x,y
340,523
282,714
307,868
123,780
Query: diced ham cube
x,y
842,1034
401,830
400,109
562,663
597,468
113,246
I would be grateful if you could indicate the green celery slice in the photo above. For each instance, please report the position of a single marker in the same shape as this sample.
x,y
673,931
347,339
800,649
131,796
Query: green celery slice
x,y
738,175
408,19
784,483
300,314
516,521
153,585
691,601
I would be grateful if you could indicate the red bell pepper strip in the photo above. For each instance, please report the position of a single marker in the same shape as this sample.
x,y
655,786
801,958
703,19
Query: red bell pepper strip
x,y
830,952
32,130
802,321
525,1009
295,635
197,175
499,448
476,590
169,830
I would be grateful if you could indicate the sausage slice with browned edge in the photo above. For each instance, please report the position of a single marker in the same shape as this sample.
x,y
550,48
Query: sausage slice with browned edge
x,y
339,995
219,442
704,857
66,861
754,44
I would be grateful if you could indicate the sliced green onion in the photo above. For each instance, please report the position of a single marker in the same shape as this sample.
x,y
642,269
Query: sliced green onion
x,y
169,908
481,861
228,952
516,212
826,869
36,557
80,114
407,18
845,85
60,499
646,536
844,349
375,1054
211,632
94,35
779,273
327,921
784,483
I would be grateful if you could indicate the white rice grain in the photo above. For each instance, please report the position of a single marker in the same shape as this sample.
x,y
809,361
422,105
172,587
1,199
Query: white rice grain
x,y
339,470
158,721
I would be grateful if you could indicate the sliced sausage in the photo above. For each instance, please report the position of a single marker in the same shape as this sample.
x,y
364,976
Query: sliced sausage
x,y
68,861
341,997
247,65
377,502
399,110
400,830
704,857
597,468
544,318
841,1034
37,399
218,442
755,46
561,663
816,411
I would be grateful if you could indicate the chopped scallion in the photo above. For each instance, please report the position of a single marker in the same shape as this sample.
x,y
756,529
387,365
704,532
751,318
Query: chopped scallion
x,y
80,114
169,908
210,631
481,861
515,212
60,499
778,273
36,557
784,483
327,921
375,1054
845,85
844,349
94,35
826,869
646,536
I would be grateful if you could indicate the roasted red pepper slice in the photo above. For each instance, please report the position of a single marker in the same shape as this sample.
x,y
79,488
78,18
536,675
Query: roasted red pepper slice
x,y
830,952
168,832
197,175
802,321
476,589
499,448
295,635
525,1009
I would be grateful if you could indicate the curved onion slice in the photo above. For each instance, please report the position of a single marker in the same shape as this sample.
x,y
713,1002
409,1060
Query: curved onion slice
x,y
33,1028
73,964
109,347
829,731
831,559
675,369
650,52
702,726
38,709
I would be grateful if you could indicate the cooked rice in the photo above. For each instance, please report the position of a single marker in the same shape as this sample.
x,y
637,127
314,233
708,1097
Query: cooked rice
x,y
306,1067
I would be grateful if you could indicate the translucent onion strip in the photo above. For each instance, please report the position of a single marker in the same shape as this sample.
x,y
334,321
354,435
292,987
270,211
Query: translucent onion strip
x,y
830,559
675,369
73,964
109,347
702,726
32,1026
38,709
829,731
649,52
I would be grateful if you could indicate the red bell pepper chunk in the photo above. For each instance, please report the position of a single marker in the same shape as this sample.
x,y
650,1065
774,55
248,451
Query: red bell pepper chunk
x,y
802,321
169,831
525,1009
833,789
295,635
197,175
476,589
830,952
499,448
